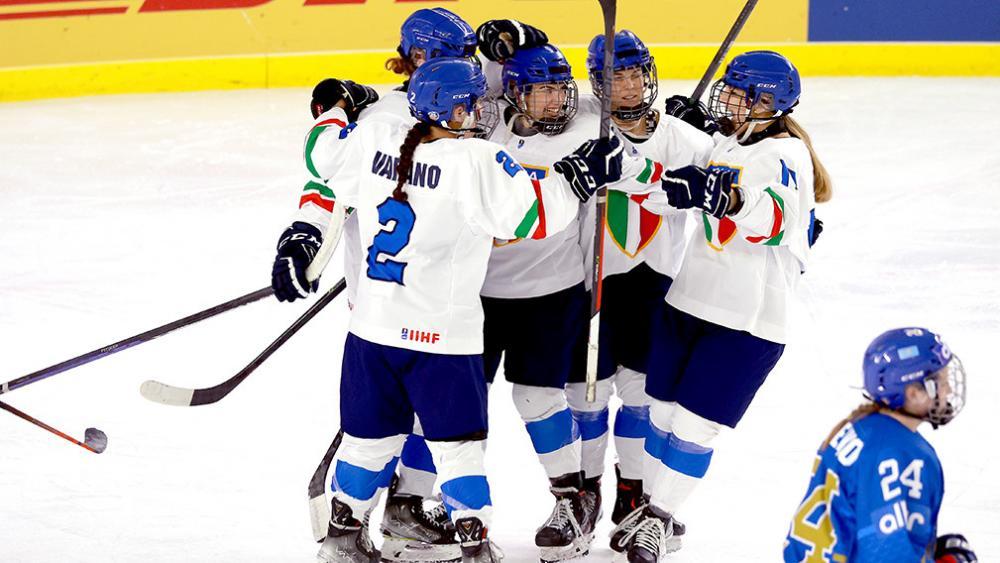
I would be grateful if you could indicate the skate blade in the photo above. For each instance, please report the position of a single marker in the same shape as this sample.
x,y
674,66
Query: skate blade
x,y
564,554
398,550
672,544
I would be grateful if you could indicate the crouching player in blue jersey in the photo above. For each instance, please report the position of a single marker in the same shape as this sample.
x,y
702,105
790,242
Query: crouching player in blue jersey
x,y
429,200
877,484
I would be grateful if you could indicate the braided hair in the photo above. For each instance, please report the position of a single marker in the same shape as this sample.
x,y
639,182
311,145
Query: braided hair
x,y
419,130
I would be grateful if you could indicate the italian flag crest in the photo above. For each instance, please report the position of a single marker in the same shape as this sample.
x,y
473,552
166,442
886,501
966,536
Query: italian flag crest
x,y
631,227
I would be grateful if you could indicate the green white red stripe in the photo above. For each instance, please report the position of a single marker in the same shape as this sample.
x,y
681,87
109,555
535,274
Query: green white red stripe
x,y
317,194
314,134
533,223
777,226
651,173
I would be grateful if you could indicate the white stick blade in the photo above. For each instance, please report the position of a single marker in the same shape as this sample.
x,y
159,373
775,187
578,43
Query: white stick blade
x,y
166,394
319,515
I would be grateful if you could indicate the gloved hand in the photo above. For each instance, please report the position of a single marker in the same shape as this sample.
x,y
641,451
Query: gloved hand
x,y
695,187
500,39
356,97
690,112
953,548
296,249
595,163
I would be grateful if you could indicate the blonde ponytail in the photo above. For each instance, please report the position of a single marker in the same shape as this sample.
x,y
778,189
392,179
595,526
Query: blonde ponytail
x,y
862,410
822,184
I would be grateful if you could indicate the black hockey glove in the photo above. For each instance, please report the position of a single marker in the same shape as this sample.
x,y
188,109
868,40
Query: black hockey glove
x,y
594,164
500,39
695,187
953,548
356,97
296,249
691,112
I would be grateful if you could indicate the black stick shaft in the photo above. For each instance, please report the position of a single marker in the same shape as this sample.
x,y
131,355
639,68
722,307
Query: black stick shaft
x,y
720,55
216,393
132,341
20,414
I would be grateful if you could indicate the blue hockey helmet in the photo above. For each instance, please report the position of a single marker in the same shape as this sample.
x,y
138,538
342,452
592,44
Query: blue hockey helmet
x,y
441,84
439,32
540,69
901,357
756,73
629,53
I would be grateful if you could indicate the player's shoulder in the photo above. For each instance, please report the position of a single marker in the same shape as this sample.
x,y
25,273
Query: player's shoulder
x,y
890,438
671,126
390,104
589,104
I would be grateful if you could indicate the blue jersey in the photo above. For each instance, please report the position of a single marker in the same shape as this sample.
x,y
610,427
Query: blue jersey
x,y
873,497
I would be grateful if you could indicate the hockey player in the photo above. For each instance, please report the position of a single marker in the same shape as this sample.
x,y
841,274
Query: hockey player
x,y
877,485
430,205
724,324
534,297
410,533
642,253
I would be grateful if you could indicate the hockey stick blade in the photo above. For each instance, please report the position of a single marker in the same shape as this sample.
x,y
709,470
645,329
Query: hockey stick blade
x,y
186,397
94,440
319,510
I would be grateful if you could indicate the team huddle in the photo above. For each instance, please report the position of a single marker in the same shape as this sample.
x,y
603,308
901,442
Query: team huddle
x,y
465,202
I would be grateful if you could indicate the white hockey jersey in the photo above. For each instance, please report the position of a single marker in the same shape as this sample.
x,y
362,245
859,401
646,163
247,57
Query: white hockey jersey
x,y
426,258
523,268
633,234
323,142
741,271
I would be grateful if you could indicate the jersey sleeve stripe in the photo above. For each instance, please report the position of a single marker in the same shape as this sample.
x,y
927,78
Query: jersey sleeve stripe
x,y
524,229
777,226
314,134
540,231
317,194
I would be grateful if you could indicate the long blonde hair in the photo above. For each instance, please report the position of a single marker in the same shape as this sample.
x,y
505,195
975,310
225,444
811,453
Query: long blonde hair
x,y
822,184
861,411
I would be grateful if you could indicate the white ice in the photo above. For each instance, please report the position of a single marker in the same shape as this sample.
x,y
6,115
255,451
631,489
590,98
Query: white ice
x,y
121,213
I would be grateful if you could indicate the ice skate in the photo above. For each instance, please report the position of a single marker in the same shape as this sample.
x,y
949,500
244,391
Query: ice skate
x,y
476,546
569,531
628,496
347,539
625,527
412,534
648,541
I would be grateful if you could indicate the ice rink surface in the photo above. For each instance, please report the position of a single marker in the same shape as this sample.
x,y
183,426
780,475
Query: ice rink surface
x,y
121,213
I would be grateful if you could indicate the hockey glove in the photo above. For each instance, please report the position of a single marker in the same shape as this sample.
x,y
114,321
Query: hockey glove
x,y
356,97
695,187
594,164
500,39
296,249
953,548
691,112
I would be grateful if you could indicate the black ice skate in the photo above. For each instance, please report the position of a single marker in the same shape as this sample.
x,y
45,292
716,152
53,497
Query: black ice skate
x,y
569,531
476,546
647,542
629,522
412,534
347,539
628,496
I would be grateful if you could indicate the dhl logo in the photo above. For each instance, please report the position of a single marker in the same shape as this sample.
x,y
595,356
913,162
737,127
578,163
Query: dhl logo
x,y
63,8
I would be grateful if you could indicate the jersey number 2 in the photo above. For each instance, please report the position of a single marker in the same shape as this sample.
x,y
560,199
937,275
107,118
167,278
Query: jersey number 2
x,y
390,242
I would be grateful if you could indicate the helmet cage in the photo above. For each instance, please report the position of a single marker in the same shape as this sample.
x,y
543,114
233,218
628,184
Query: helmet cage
x,y
517,96
944,409
650,89
731,115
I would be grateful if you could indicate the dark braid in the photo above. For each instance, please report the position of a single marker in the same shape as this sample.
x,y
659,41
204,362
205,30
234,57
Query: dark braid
x,y
406,150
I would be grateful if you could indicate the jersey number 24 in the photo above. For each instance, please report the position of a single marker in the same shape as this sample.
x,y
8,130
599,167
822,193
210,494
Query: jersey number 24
x,y
399,217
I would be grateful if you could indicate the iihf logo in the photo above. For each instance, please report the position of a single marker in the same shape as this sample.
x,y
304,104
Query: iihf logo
x,y
421,336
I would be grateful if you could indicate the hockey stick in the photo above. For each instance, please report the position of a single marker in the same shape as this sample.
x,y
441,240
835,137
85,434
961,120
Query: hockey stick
x,y
133,341
319,510
186,397
609,9
741,20
94,440
312,273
